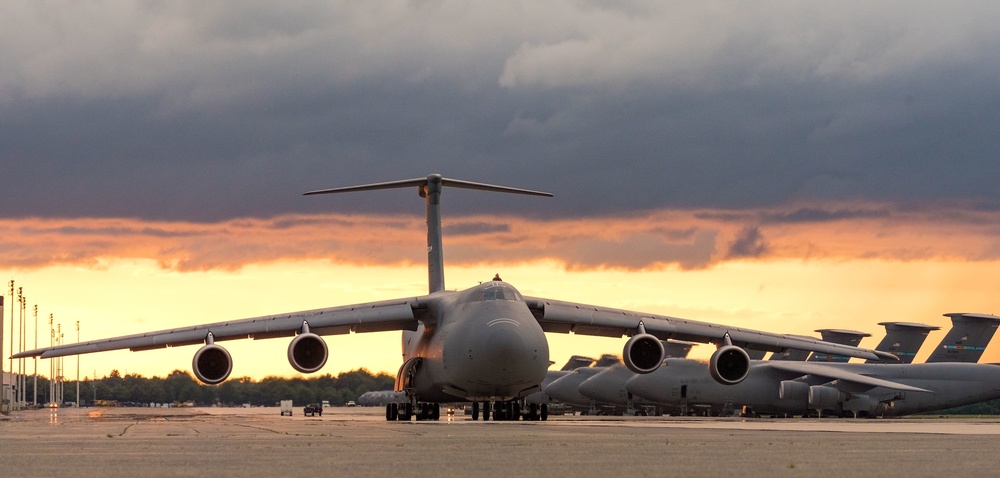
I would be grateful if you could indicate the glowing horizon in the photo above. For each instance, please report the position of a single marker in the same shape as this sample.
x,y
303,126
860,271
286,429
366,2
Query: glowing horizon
x,y
123,276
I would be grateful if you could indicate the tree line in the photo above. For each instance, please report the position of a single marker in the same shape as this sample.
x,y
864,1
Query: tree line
x,y
180,387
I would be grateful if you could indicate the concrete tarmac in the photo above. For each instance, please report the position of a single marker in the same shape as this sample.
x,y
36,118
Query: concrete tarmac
x,y
151,442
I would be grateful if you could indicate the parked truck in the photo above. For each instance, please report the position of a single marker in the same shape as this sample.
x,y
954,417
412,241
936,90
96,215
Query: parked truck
x,y
286,407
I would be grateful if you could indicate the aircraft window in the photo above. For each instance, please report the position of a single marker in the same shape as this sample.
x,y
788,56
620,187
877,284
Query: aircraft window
x,y
499,293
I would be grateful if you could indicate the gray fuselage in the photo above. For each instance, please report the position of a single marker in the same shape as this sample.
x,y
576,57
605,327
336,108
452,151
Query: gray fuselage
x,y
683,382
483,344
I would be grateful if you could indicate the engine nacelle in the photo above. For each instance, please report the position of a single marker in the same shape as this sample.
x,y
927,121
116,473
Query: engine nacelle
x,y
643,353
212,364
729,365
822,397
307,353
794,391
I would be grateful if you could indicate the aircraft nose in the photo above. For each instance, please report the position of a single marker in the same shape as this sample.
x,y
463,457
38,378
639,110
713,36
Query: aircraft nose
x,y
596,388
640,385
503,345
562,390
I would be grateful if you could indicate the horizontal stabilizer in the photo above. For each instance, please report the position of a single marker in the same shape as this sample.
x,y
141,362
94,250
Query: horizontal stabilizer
x,y
420,182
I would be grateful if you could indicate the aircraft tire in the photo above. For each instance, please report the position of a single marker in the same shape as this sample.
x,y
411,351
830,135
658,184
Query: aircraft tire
x,y
545,412
486,411
475,411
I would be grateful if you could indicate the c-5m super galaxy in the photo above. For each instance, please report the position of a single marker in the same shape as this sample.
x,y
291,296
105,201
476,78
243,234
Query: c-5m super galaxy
x,y
777,387
485,344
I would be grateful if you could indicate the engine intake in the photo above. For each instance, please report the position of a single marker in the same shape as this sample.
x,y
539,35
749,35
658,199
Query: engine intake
x,y
212,364
729,365
307,353
643,353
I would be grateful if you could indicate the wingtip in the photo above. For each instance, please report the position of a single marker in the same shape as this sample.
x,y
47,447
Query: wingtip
x,y
886,356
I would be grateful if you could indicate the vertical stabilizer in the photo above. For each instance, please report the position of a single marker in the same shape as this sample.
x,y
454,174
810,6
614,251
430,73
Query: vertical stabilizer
x,y
792,355
837,336
429,188
903,339
607,360
676,348
576,362
967,339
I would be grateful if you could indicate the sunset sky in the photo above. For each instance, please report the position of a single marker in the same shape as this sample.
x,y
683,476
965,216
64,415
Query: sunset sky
x,y
784,166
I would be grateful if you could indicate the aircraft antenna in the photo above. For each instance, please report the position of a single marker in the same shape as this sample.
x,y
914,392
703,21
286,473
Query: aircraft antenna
x,y
429,188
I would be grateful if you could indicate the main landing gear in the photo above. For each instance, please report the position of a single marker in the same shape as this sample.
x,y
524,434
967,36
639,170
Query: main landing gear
x,y
501,411
512,410
421,410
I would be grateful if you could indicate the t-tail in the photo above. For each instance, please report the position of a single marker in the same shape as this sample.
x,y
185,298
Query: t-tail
x,y
967,339
837,336
903,339
429,188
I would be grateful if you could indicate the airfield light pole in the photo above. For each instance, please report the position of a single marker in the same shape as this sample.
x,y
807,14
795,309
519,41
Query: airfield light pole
x,y
34,400
10,361
20,344
52,368
62,369
58,377
2,378
78,366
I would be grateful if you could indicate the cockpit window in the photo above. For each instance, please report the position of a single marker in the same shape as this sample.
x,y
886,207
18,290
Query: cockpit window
x,y
499,293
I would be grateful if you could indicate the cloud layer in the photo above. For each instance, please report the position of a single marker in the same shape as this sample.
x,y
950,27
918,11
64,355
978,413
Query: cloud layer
x,y
649,241
187,111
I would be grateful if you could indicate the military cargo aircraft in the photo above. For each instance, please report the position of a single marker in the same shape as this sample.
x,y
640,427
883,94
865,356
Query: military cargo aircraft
x,y
781,387
485,344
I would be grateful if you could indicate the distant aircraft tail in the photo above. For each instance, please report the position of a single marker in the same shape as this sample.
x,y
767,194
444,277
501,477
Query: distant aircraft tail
x,y
576,362
607,360
967,339
903,339
676,348
837,336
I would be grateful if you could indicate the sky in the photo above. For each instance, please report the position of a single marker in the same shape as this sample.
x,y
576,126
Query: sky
x,y
785,166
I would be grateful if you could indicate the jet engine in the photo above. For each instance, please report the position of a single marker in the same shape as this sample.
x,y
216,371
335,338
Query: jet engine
x,y
212,364
729,365
792,390
307,353
823,397
643,352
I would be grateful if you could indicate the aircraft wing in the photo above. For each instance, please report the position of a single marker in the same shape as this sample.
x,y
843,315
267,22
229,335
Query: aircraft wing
x,y
401,314
846,380
566,317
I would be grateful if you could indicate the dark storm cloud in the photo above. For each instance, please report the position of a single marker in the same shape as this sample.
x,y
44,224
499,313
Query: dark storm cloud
x,y
749,243
204,112
800,215
475,228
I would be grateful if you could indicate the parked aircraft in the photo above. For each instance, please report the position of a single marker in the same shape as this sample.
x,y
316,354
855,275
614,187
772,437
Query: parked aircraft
x,y
569,388
485,344
777,387
608,388
575,362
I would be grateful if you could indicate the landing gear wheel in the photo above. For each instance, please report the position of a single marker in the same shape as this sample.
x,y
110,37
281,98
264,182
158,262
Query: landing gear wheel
x,y
545,411
486,411
475,411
